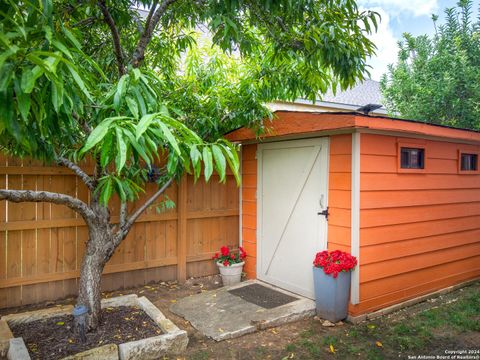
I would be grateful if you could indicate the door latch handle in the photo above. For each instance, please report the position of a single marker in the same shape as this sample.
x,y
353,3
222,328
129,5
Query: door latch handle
x,y
324,213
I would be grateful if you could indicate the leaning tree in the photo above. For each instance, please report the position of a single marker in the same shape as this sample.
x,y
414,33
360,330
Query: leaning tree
x,y
106,81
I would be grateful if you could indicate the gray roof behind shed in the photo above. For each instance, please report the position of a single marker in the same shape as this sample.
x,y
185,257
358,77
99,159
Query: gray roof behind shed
x,y
366,92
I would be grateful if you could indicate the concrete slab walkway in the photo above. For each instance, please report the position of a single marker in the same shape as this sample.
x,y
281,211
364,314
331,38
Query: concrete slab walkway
x,y
221,315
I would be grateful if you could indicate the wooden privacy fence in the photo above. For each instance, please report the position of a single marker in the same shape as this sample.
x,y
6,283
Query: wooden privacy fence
x,y
41,244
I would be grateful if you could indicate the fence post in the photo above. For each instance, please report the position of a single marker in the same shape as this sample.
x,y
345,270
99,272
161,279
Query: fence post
x,y
182,230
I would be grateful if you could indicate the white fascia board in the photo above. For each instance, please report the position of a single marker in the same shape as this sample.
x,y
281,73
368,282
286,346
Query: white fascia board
x,y
319,106
355,224
240,199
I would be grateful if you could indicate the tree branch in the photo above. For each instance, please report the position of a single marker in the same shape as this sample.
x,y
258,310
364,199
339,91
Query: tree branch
x,y
150,25
86,22
84,125
123,214
75,204
115,36
99,171
150,14
78,171
125,228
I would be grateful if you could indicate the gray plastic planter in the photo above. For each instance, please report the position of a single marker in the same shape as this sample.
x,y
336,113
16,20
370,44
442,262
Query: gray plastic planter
x,y
331,294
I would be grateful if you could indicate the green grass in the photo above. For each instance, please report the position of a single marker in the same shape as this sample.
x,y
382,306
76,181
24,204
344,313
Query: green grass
x,y
417,328
291,348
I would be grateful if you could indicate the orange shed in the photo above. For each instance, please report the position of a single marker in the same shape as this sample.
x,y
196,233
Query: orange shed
x,y
402,196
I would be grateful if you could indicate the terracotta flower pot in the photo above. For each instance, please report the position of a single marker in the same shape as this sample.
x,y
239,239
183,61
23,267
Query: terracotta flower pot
x,y
231,274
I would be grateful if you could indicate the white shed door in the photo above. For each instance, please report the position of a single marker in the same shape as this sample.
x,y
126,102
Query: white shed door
x,y
292,189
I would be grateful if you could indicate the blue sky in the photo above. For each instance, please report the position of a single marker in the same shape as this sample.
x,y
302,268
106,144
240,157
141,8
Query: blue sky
x,y
399,16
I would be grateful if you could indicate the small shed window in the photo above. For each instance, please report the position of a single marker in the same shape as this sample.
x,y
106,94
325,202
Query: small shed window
x,y
468,162
412,158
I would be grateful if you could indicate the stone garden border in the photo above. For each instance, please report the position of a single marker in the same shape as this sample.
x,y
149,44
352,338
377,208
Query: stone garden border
x,y
172,341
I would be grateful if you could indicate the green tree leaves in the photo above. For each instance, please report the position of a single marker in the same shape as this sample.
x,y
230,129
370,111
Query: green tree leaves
x,y
126,144
98,134
437,79
61,92
49,78
208,161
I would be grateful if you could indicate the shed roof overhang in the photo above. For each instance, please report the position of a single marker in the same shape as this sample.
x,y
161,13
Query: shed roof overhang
x,y
306,124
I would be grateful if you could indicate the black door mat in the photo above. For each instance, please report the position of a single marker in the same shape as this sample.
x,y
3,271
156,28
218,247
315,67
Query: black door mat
x,y
262,296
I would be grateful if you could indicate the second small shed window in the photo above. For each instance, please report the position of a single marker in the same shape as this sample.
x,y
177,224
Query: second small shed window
x,y
468,162
412,158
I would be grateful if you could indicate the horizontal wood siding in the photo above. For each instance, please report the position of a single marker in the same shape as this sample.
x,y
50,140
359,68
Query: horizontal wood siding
x,y
339,192
41,245
418,232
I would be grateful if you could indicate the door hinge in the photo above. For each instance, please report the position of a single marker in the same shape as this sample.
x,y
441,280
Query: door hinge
x,y
324,213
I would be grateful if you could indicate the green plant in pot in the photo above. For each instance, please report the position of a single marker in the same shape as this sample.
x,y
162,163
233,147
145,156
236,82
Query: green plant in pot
x,y
332,277
230,264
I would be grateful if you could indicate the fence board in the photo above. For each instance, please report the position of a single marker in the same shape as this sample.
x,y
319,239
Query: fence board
x,y
42,245
182,231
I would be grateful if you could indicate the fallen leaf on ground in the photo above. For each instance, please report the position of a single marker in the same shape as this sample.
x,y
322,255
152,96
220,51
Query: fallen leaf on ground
x,y
173,301
60,323
378,343
371,326
332,349
220,329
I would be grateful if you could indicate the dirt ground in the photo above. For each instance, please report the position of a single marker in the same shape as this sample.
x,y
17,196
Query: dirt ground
x,y
422,329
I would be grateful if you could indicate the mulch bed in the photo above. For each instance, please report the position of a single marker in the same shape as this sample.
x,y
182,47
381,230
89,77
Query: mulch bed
x,y
54,338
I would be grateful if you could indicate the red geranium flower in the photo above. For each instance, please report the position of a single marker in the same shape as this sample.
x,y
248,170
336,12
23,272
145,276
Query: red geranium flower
x,y
224,250
227,258
334,262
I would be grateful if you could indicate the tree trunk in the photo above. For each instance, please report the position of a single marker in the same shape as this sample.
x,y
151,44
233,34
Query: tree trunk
x,y
98,252
89,292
